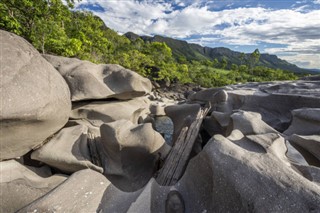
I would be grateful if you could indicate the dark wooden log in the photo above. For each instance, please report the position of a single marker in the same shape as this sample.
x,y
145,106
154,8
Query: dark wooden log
x,y
178,158
92,145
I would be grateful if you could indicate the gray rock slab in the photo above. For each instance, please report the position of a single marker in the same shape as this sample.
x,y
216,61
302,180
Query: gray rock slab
x,y
20,185
81,192
36,97
88,81
67,151
97,113
132,153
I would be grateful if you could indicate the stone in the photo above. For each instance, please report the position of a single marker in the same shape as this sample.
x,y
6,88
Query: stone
x,y
151,198
81,192
88,81
36,97
250,123
309,146
157,109
175,203
306,121
273,100
99,112
181,116
217,123
21,185
311,78
67,151
226,177
132,153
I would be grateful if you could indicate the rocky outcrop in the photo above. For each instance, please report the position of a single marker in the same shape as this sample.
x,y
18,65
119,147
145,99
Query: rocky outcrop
x,y
35,98
308,118
82,192
273,101
257,150
132,153
97,113
181,116
309,146
230,177
88,81
20,185
67,151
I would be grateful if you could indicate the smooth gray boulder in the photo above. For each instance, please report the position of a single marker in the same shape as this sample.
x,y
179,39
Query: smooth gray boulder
x,y
273,100
20,185
132,153
88,81
99,112
226,177
311,143
306,121
67,151
35,97
250,123
81,192
181,116
309,146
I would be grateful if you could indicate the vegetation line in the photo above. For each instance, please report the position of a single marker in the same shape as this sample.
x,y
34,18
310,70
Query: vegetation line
x,y
55,28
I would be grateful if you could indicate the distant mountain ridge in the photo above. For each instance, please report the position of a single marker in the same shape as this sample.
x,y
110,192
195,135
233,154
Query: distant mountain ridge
x,y
197,52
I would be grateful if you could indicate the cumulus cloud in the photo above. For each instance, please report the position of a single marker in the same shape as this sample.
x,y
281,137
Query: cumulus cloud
x,y
303,60
296,29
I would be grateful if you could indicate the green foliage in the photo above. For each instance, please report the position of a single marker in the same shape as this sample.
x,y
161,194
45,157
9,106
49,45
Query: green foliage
x,y
234,67
55,29
223,63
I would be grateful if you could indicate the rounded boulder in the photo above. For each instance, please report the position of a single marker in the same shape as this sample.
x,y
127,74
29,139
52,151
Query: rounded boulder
x,y
35,99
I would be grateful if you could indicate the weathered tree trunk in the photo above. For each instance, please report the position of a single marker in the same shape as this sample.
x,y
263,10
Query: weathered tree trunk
x,y
178,158
95,155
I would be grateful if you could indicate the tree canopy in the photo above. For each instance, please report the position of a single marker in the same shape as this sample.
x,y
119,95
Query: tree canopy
x,y
54,28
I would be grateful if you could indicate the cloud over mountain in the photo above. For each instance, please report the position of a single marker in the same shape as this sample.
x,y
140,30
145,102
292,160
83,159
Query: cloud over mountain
x,y
286,30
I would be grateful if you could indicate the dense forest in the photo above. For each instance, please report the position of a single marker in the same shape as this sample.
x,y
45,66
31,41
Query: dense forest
x,y
55,28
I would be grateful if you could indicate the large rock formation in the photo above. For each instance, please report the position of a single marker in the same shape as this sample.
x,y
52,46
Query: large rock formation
x,y
82,192
181,116
67,151
20,185
132,153
230,177
261,142
274,101
35,99
99,112
89,81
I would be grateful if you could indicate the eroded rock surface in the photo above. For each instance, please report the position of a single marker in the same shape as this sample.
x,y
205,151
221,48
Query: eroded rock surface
x,y
35,97
132,153
81,192
97,113
238,179
273,100
261,141
67,151
21,185
88,81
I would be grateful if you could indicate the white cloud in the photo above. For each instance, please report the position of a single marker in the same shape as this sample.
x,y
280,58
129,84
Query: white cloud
x,y
296,29
316,1
304,60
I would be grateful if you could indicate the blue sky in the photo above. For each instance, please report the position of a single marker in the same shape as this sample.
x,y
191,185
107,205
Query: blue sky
x,y
287,28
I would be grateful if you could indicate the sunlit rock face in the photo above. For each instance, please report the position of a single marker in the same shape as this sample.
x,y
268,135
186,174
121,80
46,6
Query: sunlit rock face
x,y
35,99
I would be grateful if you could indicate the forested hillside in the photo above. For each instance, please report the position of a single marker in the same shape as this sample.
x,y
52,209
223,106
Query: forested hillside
x,y
55,28
182,49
